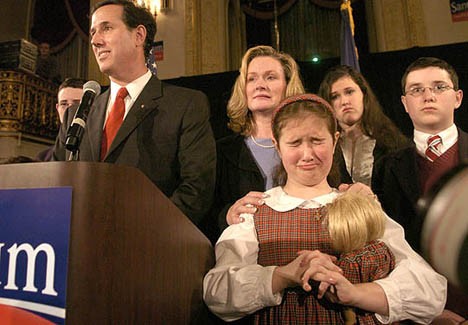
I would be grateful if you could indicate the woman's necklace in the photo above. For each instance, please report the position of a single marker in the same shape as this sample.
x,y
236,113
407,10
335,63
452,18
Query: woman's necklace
x,y
261,145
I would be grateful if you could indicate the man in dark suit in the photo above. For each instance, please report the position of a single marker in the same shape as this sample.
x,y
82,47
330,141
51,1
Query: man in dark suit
x,y
139,121
430,97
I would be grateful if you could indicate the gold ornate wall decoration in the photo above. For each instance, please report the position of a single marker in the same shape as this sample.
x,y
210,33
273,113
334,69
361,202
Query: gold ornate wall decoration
x,y
9,109
27,104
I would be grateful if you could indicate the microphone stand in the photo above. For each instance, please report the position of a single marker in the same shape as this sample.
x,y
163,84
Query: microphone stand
x,y
74,155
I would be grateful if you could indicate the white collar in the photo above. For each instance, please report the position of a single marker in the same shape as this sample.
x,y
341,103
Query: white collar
x,y
280,201
449,138
134,88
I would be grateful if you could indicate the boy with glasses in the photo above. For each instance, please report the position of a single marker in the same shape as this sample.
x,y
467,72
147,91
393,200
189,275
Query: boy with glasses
x,y
430,97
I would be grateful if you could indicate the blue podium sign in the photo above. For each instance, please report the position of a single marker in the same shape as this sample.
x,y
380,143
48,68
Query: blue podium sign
x,y
34,238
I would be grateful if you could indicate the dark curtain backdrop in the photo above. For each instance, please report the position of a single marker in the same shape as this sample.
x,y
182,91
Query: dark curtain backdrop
x,y
265,9
58,21
307,28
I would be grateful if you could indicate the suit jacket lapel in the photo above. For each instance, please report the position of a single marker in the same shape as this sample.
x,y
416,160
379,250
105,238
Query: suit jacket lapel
x,y
95,124
462,145
144,104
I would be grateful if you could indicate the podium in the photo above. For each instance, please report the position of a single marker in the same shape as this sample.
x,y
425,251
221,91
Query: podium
x,y
134,258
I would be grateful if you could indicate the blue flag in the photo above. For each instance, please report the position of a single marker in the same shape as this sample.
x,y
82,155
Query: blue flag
x,y
151,62
349,54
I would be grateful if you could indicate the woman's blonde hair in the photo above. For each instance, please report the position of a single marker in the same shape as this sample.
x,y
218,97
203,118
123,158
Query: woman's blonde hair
x,y
240,118
354,220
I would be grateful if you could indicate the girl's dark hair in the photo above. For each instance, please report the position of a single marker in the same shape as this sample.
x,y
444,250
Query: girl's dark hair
x,y
374,123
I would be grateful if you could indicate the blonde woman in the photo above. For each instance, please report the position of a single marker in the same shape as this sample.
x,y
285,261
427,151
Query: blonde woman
x,y
246,160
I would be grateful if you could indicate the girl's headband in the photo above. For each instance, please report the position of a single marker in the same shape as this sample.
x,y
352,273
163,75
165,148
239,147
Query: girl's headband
x,y
305,98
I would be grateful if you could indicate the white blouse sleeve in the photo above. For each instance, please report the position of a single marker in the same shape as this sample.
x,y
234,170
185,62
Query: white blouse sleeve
x,y
237,285
414,290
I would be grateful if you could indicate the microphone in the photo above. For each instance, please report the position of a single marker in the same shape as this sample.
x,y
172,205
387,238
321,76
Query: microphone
x,y
91,89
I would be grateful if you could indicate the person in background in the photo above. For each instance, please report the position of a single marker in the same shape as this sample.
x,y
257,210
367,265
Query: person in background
x,y
355,223
366,133
69,93
431,95
161,129
264,264
246,160
16,160
47,64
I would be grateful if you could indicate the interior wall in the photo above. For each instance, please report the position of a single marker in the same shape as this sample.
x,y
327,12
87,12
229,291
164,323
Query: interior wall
x,y
206,24
15,21
171,30
395,24
17,144
403,24
439,26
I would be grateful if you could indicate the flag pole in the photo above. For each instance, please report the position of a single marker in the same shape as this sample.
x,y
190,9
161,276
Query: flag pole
x,y
277,34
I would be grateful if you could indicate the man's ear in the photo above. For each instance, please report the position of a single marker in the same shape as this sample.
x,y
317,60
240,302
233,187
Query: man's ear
x,y
140,35
403,100
459,95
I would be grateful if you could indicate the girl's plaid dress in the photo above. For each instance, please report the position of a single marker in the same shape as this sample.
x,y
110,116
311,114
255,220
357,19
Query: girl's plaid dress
x,y
281,235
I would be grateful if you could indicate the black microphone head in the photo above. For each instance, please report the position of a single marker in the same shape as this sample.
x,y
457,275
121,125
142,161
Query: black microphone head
x,y
76,129
92,86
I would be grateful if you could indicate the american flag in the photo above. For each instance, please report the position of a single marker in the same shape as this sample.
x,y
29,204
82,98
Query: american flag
x,y
151,63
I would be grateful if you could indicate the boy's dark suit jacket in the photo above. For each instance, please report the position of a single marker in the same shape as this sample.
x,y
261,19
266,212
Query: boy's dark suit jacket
x,y
396,183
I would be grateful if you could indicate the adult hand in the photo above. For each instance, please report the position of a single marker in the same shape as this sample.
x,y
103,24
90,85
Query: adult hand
x,y
333,284
288,275
320,267
368,296
357,188
341,291
247,204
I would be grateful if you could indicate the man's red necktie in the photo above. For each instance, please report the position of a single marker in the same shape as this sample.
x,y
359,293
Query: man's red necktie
x,y
433,144
114,121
